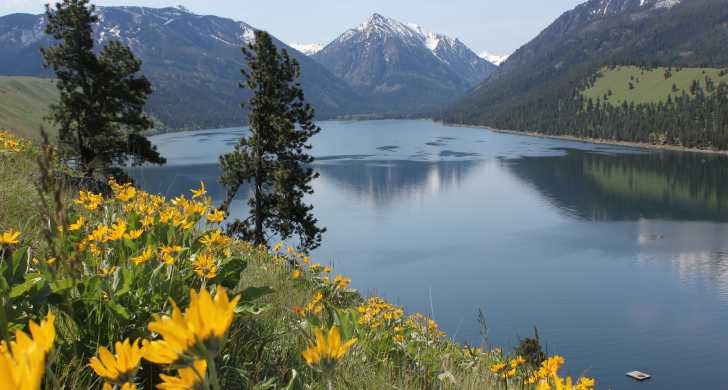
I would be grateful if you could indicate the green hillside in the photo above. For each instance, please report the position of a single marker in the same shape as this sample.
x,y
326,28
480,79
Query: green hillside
x,y
24,102
649,85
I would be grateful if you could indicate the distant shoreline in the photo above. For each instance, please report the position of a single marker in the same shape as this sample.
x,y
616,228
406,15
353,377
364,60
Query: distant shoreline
x,y
598,141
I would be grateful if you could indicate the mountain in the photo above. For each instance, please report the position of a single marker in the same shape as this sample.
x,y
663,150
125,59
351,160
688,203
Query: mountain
x,y
307,48
534,87
495,59
193,62
403,67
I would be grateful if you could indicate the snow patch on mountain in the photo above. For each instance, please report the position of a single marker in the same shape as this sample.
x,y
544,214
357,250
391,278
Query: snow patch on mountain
x,y
493,58
666,3
308,49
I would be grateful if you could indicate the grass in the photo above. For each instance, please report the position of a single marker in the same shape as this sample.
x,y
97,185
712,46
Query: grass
x,y
650,85
24,103
95,278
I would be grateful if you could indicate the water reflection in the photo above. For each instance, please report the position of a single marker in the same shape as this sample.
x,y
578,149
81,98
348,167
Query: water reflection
x,y
696,249
616,187
380,183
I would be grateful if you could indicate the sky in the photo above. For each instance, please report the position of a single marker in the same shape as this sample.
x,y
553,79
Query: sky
x,y
496,26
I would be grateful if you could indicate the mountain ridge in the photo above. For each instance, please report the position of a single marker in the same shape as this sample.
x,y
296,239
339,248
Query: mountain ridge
x,y
402,65
192,60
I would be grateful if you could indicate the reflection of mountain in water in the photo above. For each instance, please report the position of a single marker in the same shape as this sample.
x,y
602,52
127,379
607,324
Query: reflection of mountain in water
x,y
596,186
383,182
697,249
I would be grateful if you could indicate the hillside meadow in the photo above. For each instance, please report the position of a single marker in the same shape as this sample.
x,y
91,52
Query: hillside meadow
x,y
24,105
653,85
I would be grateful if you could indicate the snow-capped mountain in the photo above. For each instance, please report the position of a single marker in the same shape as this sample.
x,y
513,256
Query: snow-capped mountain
x,y
402,65
193,62
495,59
308,49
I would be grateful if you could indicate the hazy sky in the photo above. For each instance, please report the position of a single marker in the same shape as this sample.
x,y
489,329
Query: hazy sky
x,y
498,26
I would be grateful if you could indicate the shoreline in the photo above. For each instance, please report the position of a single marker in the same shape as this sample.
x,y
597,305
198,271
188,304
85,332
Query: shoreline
x,y
597,141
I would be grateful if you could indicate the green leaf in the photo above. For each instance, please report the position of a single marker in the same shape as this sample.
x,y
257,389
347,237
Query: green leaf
x,y
250,308
229,277
347,322
118,309
20,289
252,293
127,278
58,286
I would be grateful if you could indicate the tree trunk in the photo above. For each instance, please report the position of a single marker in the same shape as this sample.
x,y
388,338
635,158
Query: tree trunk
x,y
259,238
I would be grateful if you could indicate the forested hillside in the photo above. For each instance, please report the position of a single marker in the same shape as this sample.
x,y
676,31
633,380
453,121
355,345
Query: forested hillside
x,y
540,87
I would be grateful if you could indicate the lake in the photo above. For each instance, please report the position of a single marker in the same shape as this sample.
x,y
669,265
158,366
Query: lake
x,y
618,255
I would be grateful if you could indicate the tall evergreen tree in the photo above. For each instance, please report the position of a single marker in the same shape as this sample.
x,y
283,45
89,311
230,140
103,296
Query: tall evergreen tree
x,y
100,114
273,158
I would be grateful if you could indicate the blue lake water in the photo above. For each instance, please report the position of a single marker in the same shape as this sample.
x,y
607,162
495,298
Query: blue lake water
x,y
618,255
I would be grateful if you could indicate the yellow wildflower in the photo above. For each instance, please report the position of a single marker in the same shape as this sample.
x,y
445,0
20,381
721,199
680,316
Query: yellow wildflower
x,y
277,247
78,224
148,220
119,368
296,274
328,350
145,256
125,193
187,378
497,367
89,200
215,238
551,365
510,373
9,238
99,234
117,230
198,331
125,386
327,270
134,234
519,360
315,306
290,250
183,223
199,193
205,266
106,271
171,249
22,361
216,216
341,282
585,383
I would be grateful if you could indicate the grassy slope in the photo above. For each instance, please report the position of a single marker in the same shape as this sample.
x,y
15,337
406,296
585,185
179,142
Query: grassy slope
x,y
24,102
650,86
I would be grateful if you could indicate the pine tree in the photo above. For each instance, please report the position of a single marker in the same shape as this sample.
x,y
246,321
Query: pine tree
x,y
273,158
100,114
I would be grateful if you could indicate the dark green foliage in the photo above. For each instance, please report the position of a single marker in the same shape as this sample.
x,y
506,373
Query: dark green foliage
x,y
100,114
274,156
530,349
